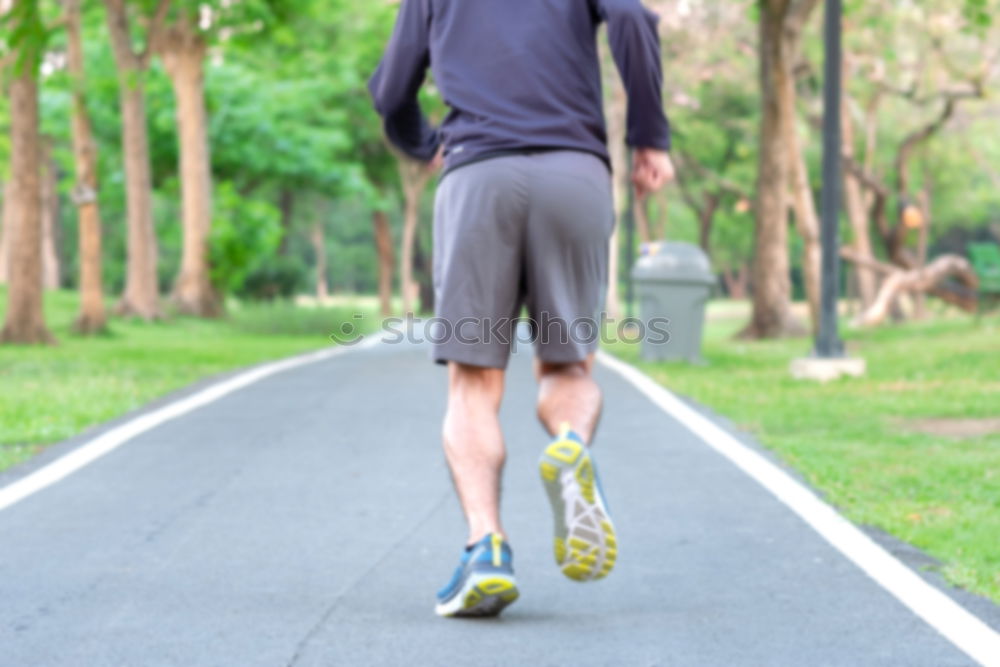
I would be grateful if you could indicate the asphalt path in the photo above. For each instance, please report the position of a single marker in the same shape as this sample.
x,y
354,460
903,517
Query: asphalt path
x,y
308,519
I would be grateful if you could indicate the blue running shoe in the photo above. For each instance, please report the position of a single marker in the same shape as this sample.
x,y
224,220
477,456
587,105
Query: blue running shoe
x,y
585,543
483,584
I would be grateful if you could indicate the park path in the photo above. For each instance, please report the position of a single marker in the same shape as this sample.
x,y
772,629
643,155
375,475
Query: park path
x,y
308,518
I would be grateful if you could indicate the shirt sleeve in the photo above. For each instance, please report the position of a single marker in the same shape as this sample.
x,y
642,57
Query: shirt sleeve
x,y
635,45
396,82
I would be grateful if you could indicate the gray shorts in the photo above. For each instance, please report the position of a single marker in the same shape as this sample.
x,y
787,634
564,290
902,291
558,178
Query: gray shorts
x,y
527,230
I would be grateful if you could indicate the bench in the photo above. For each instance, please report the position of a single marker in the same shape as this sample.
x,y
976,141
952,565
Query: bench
x,y
985,258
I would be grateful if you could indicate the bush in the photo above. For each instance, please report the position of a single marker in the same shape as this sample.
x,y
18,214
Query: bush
x,y
278,277
245,235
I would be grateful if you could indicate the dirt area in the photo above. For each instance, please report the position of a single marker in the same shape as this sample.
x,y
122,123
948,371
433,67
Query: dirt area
x,y
956,428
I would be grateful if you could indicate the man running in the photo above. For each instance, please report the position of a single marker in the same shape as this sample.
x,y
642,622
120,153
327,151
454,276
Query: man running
x,y
522,219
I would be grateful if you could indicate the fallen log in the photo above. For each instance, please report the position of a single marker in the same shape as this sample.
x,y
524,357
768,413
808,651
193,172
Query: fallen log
x,y
927,280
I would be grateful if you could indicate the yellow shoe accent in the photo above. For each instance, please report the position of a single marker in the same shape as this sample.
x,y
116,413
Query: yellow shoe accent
x,y
549,471
496,541
472,599
566,451
495,586
560,548
577,572
585,476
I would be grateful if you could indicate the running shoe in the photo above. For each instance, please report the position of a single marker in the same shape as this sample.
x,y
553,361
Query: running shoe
x,y
483,584
585,542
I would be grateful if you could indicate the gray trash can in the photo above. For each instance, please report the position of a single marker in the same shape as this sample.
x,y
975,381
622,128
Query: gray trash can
x,y
674,282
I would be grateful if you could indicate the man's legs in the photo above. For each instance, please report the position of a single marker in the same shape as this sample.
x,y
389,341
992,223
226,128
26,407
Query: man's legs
x,y
473,444
568,398
568,394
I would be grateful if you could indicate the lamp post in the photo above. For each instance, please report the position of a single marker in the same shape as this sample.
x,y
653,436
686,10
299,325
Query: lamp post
x,y
828,361
828,343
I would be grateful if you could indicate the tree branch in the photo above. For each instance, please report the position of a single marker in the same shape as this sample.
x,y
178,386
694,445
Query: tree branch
x,y
916,138
864,261
687,194
121,40
869,180
799,13
156,27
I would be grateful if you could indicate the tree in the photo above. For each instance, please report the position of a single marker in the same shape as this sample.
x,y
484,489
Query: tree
x,y
183,47
615,105
141,297
855,203
25,318
953,69
709,49
92,317
51,261
4,236
781,25
414,177
386,259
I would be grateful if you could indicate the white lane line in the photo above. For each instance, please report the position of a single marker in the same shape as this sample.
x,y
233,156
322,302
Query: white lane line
x,y
109,441
963,629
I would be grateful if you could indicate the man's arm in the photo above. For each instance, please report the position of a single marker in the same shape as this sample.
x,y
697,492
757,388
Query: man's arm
x,y
635,45
397,80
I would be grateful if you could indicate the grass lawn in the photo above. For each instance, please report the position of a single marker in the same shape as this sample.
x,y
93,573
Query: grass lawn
x,y
48,394
857,440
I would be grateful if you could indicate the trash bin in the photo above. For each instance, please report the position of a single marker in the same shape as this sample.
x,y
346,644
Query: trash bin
x,y
673,282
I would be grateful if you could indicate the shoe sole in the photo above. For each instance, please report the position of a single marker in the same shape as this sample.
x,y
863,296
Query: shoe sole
x,y
482,595
586,546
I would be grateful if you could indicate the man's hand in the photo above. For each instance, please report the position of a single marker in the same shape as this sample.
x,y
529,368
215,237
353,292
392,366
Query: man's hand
x,y
651,170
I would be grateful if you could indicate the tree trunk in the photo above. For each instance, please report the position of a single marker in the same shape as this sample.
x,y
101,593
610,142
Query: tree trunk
x,y
414,176
922,280
92,317
25,318
286,204
706,220
141,297
771,317
319,248
386,260
736,281
923,240
422,268
183,51
807,222
803,202
615,112
5,226
857,214
51,274
411,218
642,221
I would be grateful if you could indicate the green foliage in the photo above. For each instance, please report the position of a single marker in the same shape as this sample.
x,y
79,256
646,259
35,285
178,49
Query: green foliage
x,y
245,232
978,14
26,35
276,277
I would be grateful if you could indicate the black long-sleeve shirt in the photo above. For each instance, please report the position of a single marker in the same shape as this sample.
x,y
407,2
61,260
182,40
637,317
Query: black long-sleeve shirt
x,y
518,75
